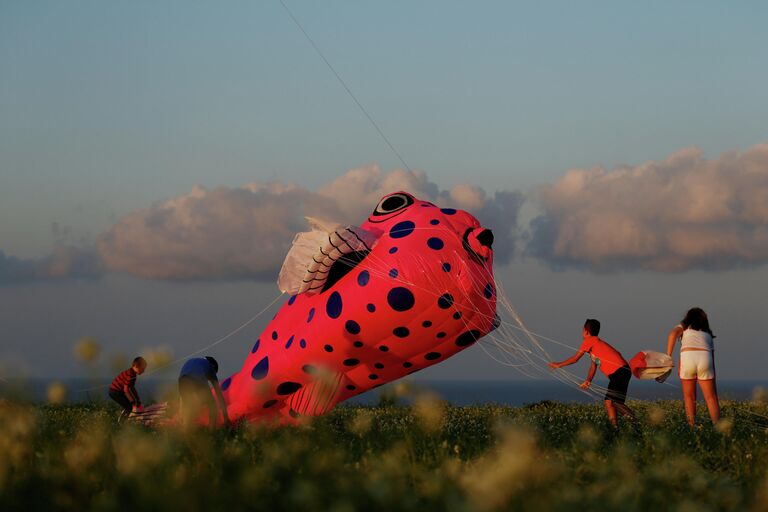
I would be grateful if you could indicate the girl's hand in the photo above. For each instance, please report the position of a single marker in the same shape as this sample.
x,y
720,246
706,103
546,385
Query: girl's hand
x,y
554,365
585,384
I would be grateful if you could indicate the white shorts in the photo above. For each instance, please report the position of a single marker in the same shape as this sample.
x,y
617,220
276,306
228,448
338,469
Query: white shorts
x,y
697,364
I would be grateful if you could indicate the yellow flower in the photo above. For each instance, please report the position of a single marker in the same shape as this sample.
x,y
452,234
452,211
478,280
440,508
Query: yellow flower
x,y
362,422
759,395
57,393
429,410
724,426
587,436
514,467
655,415
119,362
87,350
158,358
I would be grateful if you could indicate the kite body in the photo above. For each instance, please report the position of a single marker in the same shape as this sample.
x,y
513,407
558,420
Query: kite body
x,y
649,364
407,289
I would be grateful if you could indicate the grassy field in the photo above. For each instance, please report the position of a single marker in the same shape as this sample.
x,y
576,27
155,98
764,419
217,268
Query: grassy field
x,y
428,456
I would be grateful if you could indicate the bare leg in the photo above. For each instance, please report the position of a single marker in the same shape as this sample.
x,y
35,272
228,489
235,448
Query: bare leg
x,y
123,415
709,390
609,407
625,411
689,397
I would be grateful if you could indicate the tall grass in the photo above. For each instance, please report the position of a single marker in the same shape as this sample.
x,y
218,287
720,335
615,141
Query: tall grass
x,y
428,456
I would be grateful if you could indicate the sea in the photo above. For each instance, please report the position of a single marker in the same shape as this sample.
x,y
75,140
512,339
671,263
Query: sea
x,y
455,392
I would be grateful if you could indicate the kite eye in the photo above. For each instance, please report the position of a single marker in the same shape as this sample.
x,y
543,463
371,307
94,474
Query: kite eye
x,y
393,203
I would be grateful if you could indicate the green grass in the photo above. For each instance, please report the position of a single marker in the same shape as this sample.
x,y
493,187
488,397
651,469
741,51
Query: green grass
x,y
428,457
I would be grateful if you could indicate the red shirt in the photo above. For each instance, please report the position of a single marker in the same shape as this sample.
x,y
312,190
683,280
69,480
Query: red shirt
x,y
607,358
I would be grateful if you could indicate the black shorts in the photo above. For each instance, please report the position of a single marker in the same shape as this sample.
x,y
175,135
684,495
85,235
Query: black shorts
x,y
122,399
618,383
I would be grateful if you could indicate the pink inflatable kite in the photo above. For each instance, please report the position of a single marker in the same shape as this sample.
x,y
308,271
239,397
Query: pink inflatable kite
x,y
407,289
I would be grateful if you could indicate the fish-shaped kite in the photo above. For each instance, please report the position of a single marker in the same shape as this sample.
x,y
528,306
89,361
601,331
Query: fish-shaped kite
x,y
407,289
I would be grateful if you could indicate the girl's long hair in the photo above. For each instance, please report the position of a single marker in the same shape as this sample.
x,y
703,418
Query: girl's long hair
x,y
697,320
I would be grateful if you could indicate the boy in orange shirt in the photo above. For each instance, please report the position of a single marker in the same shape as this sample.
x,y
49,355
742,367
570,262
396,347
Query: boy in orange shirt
x,y
611,363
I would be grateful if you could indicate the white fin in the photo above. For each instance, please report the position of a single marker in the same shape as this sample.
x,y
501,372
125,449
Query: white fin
x,y
326,226
312,253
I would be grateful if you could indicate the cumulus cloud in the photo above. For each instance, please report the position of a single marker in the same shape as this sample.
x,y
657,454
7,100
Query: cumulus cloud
x,y
245,232
65,262
685,212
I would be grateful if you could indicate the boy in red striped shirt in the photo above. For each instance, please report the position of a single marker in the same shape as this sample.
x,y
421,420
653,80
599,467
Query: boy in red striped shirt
x,y
123,388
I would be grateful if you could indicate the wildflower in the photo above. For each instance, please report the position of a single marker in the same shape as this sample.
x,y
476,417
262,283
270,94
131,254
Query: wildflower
x,y
158,358
403,389
430,411
87,350
724,426
362,422
512,468
137,452
16,430
57,393
119,362
655,415
87,448
587,436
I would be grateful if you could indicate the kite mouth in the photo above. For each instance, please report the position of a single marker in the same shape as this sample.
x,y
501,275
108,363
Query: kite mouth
x,y
477,242
343,266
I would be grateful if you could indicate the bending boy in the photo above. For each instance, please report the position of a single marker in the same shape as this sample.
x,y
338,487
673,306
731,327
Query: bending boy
x,y
123,388
198,384
611,363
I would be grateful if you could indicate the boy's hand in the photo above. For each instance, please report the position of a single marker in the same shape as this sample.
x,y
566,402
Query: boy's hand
x,y
138,408
554,365
585,384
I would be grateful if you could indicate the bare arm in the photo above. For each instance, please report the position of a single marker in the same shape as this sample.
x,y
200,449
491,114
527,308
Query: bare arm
x,y
590,375
221,402
574,358
674,334
132,394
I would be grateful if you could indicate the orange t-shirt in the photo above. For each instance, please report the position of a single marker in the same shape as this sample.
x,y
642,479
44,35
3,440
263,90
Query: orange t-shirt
x,y
607,358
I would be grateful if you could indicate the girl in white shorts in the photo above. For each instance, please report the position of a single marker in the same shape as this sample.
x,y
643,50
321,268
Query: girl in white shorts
x,y
697,362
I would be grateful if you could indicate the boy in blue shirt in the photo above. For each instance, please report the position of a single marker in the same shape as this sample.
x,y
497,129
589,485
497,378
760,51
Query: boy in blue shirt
x,y
196,380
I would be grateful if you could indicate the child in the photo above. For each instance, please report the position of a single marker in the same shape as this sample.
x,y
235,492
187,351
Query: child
x,y
123,388
697,362
611,363
195,393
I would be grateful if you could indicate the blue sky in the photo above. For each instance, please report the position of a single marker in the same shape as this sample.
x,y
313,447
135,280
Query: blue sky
x,y
106,108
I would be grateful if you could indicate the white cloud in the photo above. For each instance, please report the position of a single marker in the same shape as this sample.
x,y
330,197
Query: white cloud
x,y
245,232
66,261
681,213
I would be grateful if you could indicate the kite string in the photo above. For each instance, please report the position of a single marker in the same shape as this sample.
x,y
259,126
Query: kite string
x,y
521,326
345,86
196,352
509,347
223,338
341,81
564,376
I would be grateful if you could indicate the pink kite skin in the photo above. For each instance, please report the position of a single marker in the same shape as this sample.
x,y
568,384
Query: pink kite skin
x,y
424,292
